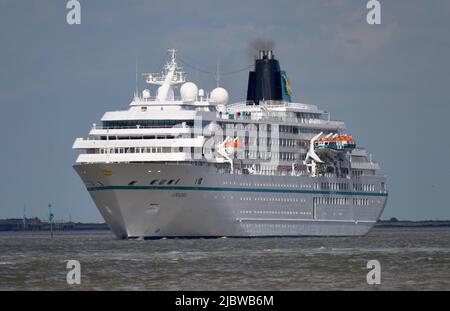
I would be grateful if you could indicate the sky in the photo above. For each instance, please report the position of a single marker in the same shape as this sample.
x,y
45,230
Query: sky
x,y
390,83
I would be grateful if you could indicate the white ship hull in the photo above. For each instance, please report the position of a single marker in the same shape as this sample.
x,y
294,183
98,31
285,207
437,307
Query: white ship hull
x,y
232,205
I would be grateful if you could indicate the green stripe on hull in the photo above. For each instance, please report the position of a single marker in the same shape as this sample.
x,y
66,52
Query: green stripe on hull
x,y
187,188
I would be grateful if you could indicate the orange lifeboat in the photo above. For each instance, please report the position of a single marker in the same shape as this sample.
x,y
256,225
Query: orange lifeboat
x,y
235,143
232,146
338,143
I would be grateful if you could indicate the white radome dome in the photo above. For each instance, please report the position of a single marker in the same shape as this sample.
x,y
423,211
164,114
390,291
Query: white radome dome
x,y
189,92
219,96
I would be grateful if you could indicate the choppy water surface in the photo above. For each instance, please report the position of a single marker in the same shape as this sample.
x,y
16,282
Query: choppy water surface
x,y
417,259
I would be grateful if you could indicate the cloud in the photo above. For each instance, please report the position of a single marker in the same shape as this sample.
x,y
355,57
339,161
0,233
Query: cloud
x,y
350,37
225,38
356,42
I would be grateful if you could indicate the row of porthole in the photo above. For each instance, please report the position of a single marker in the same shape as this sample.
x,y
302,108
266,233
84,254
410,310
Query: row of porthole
x,y
271,225
273,199
286,185
270,185
276,212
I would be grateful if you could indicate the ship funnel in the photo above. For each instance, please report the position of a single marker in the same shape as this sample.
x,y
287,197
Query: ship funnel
x,y
267,82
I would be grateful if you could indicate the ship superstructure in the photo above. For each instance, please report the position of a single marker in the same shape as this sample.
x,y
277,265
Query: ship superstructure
x,y
196,165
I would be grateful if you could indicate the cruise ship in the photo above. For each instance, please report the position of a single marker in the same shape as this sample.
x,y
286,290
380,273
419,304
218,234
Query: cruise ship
x,y
184,162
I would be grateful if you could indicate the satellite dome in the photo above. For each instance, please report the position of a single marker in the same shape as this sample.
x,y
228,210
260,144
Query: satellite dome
x,y
219,96
189,92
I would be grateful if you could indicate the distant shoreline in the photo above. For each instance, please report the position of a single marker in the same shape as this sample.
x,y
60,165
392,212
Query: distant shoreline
x,y
35,224
412,223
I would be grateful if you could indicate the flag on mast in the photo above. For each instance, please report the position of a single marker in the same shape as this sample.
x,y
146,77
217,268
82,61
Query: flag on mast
x,y
24,216
50,218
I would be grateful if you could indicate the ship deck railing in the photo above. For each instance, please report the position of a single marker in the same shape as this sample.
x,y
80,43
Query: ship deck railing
x,y
138,127
233,117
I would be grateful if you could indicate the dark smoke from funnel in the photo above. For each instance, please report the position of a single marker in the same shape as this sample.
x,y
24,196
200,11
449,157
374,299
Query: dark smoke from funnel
x,y
259,44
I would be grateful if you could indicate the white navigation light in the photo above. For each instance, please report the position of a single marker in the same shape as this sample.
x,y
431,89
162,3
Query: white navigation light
x,y
201,93
189,92
146,94
219,96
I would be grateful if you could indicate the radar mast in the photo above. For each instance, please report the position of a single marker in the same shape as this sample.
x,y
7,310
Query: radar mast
x,y
171,75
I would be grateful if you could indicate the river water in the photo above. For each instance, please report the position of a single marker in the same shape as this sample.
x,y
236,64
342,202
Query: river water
x,y
410,259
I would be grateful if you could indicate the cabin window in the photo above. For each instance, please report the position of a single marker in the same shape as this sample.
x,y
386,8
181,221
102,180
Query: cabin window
x,y
154,181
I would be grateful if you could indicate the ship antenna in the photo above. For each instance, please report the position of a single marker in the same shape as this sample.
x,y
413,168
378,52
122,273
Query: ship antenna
x,y
218,72
136,91
172,56
196,72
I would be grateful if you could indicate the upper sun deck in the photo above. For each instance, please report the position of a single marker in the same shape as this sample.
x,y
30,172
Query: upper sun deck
x,y
280,112
265,112
282,106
